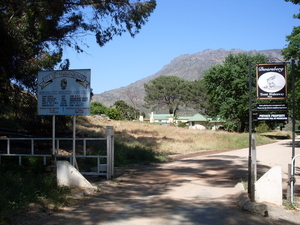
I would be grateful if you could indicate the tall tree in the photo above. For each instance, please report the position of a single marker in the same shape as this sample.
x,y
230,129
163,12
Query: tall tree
x,y
165,91
292,51
196,96
33,34
228,91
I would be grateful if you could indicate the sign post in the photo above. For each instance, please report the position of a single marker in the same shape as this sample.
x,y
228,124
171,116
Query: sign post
x,y
65,92
271,84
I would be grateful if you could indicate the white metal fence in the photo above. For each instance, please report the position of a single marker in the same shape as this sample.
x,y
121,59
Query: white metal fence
x,y
104,163
295,173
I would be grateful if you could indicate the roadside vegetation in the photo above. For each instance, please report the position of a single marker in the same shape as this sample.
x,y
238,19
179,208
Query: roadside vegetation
x,y
28,185
135,143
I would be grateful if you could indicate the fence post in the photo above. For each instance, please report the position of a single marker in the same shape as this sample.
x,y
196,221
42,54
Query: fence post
x,y
8,146
253,171
288,194
109,152
254,160
112,154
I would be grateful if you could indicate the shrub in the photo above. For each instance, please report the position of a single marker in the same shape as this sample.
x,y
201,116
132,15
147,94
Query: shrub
x,y
114,114
262,127
98,108
181,124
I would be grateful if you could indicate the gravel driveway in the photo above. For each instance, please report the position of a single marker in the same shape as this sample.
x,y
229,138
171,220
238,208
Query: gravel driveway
x,y
197,189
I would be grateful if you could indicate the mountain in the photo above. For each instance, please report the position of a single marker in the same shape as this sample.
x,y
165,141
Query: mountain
x,y
187,66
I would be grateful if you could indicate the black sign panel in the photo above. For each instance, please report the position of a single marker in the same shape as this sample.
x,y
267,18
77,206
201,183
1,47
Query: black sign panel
x,y
272,117
272,107
271,81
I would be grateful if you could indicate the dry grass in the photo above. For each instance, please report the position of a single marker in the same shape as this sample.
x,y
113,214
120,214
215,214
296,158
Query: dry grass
x,y
278,134
166,139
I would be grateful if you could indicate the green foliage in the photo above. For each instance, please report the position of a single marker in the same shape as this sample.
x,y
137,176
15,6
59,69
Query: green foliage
x,y
262,127
296,2
97,108
292,52
165,91
127,112
114,113
228,91
181,124
173,92
21,185
31,30
195,96
33,35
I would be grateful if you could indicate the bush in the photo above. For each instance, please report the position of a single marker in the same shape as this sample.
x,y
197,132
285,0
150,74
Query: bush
x,y
114,113
261,128
181,124
97,108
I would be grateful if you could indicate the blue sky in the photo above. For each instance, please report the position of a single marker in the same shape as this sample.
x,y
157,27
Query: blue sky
x,y
179,27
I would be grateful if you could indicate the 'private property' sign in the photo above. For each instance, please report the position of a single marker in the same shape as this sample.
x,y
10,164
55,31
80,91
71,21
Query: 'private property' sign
x,y
64,92
272,117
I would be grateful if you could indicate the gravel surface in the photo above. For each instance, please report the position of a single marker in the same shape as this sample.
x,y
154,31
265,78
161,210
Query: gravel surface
x,y
192,189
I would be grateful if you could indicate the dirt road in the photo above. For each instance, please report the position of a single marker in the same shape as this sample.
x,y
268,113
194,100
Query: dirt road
x,y
195,190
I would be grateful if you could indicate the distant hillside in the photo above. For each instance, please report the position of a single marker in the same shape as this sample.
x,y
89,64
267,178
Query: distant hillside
x,y
188,67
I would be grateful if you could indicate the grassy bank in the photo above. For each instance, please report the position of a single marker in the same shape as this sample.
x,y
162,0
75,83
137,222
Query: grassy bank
x,y
138,142
22,185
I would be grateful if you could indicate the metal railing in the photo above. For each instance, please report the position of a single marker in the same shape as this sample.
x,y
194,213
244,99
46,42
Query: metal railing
x,y
293,181
101,169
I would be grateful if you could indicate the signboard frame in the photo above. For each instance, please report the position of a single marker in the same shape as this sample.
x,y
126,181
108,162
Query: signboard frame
x,y
271,81
64,92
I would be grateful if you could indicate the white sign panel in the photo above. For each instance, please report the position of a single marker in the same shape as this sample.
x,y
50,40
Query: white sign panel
x,y
65,92
271,81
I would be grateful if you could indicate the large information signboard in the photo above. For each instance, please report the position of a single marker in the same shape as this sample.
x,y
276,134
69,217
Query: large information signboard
x,y
64,92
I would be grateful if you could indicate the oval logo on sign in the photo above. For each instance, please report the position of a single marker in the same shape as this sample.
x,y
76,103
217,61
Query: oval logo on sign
x,y
271,82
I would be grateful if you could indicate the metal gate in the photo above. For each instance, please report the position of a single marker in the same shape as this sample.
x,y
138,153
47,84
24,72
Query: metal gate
x,y
104,164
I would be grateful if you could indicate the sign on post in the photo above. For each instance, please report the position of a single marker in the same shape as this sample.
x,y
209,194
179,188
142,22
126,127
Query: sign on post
x,y
271,106
65,92
271,81
272,117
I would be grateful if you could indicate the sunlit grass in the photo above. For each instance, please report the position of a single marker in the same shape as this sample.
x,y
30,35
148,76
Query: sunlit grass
x,y
164,140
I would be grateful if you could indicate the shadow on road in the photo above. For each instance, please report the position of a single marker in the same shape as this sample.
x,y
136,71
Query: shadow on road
x,y
178,192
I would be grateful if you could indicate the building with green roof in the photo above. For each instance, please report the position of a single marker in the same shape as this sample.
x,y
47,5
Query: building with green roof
x,y
197,121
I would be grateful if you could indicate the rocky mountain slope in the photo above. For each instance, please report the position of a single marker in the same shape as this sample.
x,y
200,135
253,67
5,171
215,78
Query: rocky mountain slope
x,y
188,67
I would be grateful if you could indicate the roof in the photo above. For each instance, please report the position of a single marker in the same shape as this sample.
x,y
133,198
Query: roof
x,y
184,117
216,120
197,117
162,116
